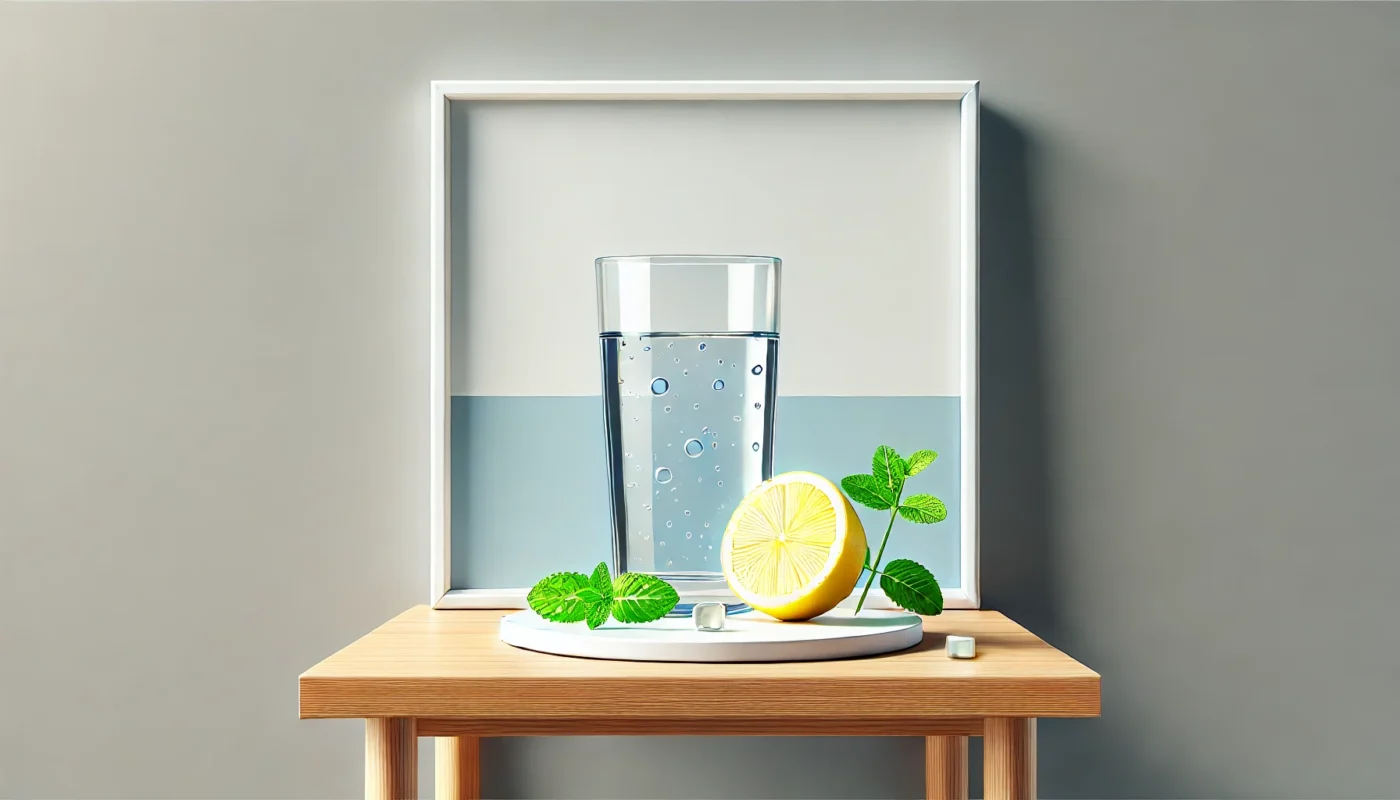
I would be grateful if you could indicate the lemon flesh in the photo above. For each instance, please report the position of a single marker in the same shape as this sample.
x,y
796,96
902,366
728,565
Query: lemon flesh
x,y
794,547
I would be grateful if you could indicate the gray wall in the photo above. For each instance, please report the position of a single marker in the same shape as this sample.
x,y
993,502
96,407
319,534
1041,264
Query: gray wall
x,y
213,239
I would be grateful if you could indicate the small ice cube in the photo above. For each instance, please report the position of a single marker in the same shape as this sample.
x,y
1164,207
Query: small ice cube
x,y
961,647
708,616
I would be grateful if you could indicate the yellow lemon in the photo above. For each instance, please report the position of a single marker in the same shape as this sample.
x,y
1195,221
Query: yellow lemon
x,y
794,547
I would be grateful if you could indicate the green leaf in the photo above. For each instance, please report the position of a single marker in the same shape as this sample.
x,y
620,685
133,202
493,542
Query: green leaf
x,y
920,461
924,509
888,469
867,557
562,597
598,611
912,587
867,491
642,598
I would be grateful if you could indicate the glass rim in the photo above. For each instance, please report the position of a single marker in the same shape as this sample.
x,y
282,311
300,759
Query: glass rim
x,y
687,259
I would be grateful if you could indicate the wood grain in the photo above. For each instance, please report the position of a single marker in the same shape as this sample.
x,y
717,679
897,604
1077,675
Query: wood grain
x,y
427,663
391,759
761,726
945,768
457,767
1008,759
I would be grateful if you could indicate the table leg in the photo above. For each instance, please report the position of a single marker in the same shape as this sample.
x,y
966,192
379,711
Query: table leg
x,y
1008,758
945,768
391,759
458,768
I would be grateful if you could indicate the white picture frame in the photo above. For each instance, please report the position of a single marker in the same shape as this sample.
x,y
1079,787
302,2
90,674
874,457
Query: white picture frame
x,y
442,93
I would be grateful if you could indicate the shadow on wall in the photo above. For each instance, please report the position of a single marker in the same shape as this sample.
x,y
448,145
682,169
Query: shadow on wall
x,y
1016,573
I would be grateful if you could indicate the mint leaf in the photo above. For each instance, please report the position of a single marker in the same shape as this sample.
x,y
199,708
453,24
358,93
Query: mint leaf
x,y
912,587
867,491
920,461
598,611
888,469
924,509
642,598
561,597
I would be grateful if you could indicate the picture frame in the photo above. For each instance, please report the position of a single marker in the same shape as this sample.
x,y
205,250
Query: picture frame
x,y
963,94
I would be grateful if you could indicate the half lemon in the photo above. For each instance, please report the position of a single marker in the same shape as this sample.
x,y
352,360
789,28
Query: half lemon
x,y
794,547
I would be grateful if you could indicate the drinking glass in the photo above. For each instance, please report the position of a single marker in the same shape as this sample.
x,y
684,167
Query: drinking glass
x,y
689,347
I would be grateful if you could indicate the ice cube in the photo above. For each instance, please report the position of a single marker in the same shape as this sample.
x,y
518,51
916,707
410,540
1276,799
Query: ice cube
x,y
708,616
961,647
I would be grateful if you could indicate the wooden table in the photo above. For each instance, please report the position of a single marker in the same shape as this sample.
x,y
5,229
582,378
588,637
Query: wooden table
x,y
445,674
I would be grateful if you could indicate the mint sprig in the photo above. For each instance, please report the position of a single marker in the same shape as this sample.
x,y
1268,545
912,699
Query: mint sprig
x,y
908,584
601,582
642,598
574,597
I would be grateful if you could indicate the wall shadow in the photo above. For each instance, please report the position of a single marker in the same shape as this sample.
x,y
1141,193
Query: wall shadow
x,y
1015,536
1016,512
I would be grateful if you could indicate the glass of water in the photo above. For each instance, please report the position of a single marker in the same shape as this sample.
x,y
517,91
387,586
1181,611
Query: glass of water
x,y
690,364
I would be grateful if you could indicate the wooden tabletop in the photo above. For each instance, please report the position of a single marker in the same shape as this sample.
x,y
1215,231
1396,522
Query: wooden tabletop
x,y
451,666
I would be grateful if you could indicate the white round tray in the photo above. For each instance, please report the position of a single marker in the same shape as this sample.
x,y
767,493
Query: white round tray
x,y
750,636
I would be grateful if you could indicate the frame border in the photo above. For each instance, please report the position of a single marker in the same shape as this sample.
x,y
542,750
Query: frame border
x,y
967,595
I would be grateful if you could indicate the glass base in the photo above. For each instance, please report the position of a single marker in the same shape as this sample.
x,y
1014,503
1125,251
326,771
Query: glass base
x,y
701,588
684,609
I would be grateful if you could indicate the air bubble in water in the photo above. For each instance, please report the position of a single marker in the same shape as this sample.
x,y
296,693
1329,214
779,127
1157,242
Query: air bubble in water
x,y
628,455
648,347
646,538
697,406
667,409
721,483
631,486
688,534
668,523
669,345
677,360
702,345
646,506
704,430
687,512
755,447
758,405
716,468
693,447
721,362
659,386
685,372
706,525
757,369
717,385
736,418
663,475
